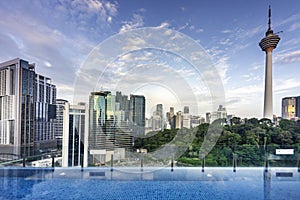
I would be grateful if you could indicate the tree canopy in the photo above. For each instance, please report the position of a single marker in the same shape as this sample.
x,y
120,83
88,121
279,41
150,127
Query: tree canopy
x,y
249,140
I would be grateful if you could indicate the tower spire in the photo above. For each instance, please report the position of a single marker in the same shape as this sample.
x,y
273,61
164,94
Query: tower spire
x,y
269,23
269,31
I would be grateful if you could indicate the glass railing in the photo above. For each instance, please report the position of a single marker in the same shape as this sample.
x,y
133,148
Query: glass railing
x,y
219,156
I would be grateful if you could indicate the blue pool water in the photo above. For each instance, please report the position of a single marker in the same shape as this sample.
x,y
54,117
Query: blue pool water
x,y
182,183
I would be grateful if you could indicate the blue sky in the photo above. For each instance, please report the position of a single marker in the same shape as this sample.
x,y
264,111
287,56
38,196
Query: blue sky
x,y
59,36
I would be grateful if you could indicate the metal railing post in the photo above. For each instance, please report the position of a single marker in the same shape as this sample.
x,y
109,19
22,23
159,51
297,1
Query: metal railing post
x,y
111,162
24,160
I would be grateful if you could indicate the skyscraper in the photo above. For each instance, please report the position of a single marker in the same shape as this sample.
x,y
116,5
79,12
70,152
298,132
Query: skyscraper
x,y
221,113
59,121
158,119
45,113
290,107
186,123
179,120
17,107
137,114
186,110
268,44
27,104
75,135
172,118
108,130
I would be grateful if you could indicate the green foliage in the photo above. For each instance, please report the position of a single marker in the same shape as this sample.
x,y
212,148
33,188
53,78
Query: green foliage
x,y
248,139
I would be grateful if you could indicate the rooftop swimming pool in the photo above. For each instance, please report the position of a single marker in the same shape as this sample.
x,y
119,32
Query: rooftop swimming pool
x,y
149,183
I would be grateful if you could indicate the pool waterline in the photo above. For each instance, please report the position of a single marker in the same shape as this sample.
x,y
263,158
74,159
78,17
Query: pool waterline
x,y
150,183
154,173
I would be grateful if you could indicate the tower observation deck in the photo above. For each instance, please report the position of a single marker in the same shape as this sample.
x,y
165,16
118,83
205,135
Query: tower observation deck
x,y
267,44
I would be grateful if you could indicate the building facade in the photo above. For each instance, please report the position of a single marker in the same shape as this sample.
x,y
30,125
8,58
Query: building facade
x,y
109,132
186,121
75,135
59,121
137,114
179,120
221,113
45,113
17,107
27,108
290,107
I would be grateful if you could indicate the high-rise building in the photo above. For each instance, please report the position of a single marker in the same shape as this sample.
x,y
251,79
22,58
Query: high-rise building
x,y
186,110
179,120
298,106
186,121
268,44
221,113
59,121
27,104
290,107
158,119
98,139
137,114
172,111
172,118
45,113
75,135
123,105
196,121
109,133
17,107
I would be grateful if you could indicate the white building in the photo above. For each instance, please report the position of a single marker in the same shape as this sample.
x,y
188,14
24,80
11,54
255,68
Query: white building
x,y
75,135
221,113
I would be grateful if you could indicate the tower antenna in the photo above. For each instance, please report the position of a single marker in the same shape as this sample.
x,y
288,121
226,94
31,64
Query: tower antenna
x,y
269,23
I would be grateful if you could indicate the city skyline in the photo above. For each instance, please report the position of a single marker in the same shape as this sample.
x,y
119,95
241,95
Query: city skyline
x,y
59,36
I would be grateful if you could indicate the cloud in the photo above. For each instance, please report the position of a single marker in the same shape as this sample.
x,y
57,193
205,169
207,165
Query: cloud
x,y
137,21
47,64
240,100
226,31
291,42
163,25
226,41
256,66
287,57
252,77
285,85
200,30
292,18
221,62
183,26
89,8
52,51
294,26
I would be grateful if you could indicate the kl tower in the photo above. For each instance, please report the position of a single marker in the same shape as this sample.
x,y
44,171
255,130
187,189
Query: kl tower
x,y
267,44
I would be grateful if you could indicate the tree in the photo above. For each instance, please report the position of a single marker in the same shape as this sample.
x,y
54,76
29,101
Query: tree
x,y
253,121
286,124
235,121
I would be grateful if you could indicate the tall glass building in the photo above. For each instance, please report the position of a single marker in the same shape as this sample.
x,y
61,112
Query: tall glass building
x,y
137,114
26,108
58,132
45,113
17,79
108,128
75,135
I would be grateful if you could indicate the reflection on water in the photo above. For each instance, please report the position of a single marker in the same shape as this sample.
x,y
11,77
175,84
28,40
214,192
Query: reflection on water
x,y
181,183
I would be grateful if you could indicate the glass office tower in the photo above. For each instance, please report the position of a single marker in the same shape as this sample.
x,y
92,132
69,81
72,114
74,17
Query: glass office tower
x,y
27,109
17,84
